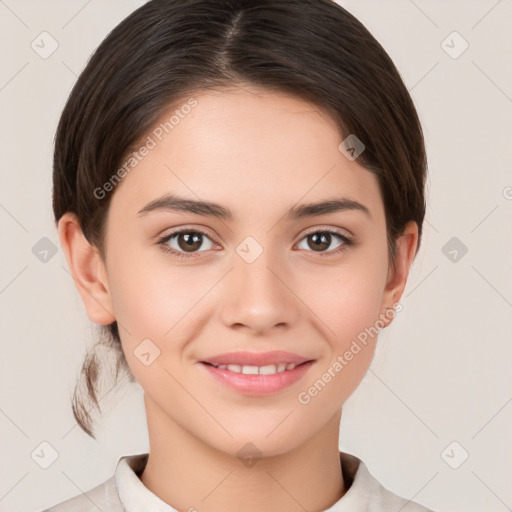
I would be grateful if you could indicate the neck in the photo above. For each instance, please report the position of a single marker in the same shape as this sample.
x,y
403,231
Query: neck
x,y
188,474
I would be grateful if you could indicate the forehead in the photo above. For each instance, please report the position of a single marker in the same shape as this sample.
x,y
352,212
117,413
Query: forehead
x,y
245,148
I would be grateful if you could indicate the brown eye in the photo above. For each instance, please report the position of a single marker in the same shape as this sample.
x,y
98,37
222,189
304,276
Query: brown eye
x,y
185,241
320,241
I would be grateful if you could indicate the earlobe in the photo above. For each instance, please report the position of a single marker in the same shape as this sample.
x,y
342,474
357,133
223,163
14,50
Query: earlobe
x,y
87,269
406,246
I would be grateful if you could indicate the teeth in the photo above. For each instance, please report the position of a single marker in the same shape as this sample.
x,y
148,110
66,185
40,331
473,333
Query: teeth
x,y
270,369
249,370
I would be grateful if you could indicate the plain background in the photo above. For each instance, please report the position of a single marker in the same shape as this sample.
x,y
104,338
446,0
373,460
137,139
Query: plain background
x,y
442,372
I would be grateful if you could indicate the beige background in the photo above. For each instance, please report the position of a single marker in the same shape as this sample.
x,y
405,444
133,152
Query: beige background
x,y
442,372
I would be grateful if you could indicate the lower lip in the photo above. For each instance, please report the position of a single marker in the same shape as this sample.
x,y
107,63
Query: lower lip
x,y
259,385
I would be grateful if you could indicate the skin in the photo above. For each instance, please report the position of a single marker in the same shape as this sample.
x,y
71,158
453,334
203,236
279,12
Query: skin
x,y
257,153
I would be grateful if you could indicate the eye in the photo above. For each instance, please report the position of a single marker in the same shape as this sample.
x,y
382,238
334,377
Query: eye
x,y
322,239
185,242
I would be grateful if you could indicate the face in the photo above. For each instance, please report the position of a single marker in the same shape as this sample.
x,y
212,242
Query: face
x,y
187,286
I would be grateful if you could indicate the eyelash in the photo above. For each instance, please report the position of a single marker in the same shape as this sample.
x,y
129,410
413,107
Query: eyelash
x,y
347,242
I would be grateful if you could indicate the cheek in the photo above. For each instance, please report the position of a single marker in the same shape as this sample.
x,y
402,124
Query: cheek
x,y
347,303
348,298
148,295
152,304
158,301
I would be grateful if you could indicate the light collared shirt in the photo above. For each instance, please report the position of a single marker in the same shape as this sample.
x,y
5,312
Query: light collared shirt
x,y
124,492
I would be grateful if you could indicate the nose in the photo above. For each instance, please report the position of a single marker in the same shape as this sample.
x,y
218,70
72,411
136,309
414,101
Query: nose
x,y
259,296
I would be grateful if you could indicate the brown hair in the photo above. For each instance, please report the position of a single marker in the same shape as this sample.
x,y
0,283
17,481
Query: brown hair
x,y
168,49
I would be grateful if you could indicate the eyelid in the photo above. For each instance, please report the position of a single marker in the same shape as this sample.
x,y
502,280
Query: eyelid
x,y
337,230
175,231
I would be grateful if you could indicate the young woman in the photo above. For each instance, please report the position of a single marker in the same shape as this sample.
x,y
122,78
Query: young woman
x,y
239,192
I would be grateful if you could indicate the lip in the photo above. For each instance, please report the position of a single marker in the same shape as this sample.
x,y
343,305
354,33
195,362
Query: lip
x,y
258,385
257,358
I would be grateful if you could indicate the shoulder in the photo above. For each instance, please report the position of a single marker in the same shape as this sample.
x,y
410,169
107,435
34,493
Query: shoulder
x,y
102,497
367,494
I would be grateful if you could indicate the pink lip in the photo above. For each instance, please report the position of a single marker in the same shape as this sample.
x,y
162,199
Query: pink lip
x,y
256,358
258,385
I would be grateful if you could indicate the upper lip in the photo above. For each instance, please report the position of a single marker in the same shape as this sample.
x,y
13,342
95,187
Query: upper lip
x,y
257,358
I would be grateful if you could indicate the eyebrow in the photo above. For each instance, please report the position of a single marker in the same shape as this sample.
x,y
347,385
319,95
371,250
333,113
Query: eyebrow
x,y
174,202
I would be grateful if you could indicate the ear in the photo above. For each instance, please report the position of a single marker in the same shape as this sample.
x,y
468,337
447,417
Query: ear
x,y
87,269
398,272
